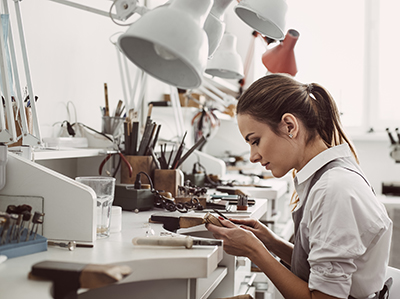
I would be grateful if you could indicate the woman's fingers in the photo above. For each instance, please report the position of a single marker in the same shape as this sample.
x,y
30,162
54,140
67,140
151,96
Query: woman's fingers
x,y
247,221
226,223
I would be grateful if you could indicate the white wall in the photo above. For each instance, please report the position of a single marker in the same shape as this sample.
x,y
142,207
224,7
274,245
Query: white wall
x,y
376,162
71,57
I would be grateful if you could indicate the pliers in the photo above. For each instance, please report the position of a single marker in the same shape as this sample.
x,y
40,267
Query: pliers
x,y
122,157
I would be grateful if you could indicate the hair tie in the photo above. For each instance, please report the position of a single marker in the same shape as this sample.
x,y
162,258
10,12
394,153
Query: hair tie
x,y
310,88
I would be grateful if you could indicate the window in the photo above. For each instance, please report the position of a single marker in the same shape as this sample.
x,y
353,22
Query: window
x,y
387,104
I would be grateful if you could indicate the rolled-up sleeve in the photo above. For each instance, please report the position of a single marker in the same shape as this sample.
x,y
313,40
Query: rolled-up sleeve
x,y
332,277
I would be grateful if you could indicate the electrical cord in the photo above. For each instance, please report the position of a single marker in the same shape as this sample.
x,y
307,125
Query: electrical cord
x,y
210,182
100,133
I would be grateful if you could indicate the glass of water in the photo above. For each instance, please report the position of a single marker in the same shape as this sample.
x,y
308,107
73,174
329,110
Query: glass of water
x,y
104,188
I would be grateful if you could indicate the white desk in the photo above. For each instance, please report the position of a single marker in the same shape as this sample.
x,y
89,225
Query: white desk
x,y
158,272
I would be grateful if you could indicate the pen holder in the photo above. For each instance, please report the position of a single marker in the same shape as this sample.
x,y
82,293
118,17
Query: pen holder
x,y
168,180
138,163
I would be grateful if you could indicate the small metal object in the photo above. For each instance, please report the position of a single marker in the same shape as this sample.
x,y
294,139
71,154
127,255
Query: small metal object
x,y
70,245
37,219
18,230
26,216
6,226
13,224
27,229
242,203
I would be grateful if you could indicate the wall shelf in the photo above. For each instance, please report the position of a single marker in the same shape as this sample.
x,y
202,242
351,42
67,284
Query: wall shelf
x,y
66,153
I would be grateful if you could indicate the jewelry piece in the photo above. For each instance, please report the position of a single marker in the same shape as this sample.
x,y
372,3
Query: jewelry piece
x,y
290,135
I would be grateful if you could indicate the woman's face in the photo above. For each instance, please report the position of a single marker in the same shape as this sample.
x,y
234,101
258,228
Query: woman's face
x,y
272,151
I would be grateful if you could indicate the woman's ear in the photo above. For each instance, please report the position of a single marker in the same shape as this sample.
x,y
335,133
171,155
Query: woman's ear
x,y
289,125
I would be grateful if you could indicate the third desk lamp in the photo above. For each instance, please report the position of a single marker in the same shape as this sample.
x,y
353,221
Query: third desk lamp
x,y
226,62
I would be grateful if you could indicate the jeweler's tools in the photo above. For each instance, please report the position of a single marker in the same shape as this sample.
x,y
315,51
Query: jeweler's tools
x,y
37,219
26,217
5,226
27,228
13,226
25,211
71,245
17,233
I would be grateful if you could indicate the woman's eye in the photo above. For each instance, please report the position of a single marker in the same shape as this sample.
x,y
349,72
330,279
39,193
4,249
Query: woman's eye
x,y
255,142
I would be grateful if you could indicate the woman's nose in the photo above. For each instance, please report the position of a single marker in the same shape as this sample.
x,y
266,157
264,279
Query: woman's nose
x,y
254,157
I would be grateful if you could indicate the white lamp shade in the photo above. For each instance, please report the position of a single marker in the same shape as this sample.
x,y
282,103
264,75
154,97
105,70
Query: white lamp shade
x,y
169,42
214,25
265,16
226,62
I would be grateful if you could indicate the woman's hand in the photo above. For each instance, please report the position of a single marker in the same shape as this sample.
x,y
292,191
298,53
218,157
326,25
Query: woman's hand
x,y
280,247
237,241
261,231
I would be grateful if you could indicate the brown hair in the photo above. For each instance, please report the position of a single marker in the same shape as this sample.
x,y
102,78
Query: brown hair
x,y
270,97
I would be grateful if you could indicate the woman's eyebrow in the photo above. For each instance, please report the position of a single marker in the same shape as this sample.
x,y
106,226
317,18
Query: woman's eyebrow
x,y
247,137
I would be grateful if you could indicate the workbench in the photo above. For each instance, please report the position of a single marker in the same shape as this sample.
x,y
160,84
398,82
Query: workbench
x,y
157,272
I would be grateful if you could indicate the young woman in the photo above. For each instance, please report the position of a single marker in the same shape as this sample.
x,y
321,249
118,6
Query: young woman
x,y
342,232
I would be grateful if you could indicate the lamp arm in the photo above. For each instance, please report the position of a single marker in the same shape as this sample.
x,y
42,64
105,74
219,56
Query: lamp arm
x,y
36,138
217,94
86,8
124,8
212,95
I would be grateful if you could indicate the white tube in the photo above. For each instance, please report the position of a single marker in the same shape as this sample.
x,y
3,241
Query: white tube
x,y
3,162
177,110
212,95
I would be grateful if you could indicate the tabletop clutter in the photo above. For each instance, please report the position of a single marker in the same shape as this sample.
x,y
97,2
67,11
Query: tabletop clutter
x,y
19,228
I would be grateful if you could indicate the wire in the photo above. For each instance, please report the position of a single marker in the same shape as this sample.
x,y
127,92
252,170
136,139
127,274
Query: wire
x,y
100,133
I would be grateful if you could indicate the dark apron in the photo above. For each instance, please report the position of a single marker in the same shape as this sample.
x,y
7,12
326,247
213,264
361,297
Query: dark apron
x,y
299,263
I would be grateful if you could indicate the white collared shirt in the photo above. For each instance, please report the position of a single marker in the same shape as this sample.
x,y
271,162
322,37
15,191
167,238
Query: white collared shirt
x,y
347,229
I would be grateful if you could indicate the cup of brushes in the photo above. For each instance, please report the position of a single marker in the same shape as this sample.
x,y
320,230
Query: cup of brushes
x,y
139,154
142,157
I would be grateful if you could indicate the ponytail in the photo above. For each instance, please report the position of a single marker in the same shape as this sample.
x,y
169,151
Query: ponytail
x,y
329,125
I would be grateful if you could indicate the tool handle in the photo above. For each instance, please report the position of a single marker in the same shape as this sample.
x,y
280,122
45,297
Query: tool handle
x,y
163,241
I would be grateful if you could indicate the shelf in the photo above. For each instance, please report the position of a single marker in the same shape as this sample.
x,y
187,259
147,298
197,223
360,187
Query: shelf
x,y
205,286
66,153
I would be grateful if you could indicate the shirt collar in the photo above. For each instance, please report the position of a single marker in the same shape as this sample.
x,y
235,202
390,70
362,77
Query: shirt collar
x,y
339,151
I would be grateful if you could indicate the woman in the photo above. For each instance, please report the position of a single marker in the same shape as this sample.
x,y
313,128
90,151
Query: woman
x,y
342,232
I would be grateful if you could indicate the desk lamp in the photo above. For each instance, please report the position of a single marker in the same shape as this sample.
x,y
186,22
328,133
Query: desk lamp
x,y
281,58
226,62
266,16
169,42
214,25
